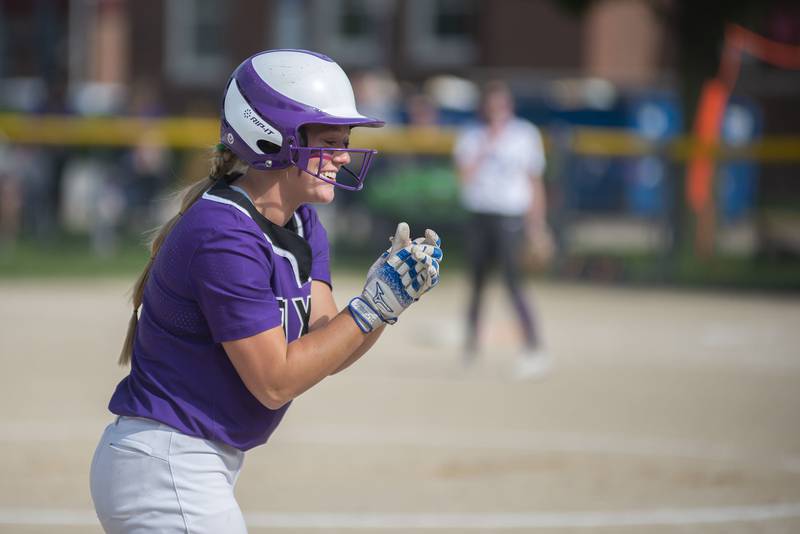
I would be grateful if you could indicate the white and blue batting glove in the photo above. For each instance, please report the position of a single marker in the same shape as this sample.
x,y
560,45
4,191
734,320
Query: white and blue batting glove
x,y
415,273
431,247
397,279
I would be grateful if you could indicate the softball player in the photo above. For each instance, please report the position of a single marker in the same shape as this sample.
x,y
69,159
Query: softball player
x,y
236,315
500,164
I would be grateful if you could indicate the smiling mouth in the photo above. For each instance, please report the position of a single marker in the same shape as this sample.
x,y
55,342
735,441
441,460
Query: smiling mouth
x,y
329,175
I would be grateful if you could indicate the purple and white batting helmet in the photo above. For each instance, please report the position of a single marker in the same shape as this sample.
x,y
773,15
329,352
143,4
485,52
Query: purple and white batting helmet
x,y
272,94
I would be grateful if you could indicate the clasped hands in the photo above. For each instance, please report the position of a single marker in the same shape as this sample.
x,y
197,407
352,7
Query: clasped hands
x,y
398,278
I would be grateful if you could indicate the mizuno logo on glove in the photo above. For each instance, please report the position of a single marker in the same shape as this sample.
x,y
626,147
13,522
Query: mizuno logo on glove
x,y
398,278
378,298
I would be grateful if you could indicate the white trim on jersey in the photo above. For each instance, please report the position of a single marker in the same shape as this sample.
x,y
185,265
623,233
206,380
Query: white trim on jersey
x,y
299,224
278,250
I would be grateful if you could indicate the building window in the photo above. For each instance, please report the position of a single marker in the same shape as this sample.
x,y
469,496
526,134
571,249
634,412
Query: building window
x,y
356,33
441,33
194,40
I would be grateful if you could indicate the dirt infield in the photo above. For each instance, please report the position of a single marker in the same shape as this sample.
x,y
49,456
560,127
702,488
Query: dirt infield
x,y
666,412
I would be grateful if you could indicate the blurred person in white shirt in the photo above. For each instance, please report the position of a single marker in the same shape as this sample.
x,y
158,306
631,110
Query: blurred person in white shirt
x,y
500,163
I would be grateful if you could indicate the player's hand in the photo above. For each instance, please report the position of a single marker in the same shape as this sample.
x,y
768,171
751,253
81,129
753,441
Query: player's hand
x,y
431,247
397,279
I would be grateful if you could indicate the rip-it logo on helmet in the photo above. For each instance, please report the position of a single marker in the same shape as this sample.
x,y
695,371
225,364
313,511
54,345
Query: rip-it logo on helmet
x,y
248,114
273,94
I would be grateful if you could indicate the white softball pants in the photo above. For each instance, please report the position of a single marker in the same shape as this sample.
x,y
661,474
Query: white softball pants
x,y
148,477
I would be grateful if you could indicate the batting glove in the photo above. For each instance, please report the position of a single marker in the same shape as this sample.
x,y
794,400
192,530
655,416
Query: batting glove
x,y
431,247
397,279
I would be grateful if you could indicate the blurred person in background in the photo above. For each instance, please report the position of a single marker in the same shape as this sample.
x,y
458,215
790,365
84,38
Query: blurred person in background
x,y
500,162
92,199
237,313
148,164
147,173
10,202
422,118
377,94
421,111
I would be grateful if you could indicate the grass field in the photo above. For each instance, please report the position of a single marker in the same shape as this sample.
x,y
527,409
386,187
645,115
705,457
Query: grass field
x,y
71,256
667,412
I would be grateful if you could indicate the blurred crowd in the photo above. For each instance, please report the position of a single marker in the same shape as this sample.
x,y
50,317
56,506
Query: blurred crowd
x,y
49,190
110,193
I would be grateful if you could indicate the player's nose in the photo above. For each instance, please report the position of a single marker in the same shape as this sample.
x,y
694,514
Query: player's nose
x,y
341,158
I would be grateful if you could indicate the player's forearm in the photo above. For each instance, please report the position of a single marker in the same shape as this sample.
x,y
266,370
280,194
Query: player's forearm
x,y
369,341
275,373
320,353
399,277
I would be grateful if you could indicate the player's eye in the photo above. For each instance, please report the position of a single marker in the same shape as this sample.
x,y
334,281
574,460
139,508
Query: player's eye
x,y
335,143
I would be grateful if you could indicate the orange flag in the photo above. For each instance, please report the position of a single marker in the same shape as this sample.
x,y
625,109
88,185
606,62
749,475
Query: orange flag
x,y
707,131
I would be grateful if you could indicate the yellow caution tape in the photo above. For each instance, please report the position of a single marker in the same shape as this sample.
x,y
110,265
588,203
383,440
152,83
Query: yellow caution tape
x,y
201,133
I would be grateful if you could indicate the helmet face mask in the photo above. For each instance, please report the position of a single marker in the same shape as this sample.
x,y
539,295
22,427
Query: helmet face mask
x,y
350,176
273,94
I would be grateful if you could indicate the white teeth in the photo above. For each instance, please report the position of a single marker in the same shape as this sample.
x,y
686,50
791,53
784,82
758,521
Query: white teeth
x,y
331,175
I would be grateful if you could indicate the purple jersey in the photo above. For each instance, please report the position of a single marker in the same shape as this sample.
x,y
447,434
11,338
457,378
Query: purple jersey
x,y
225,272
